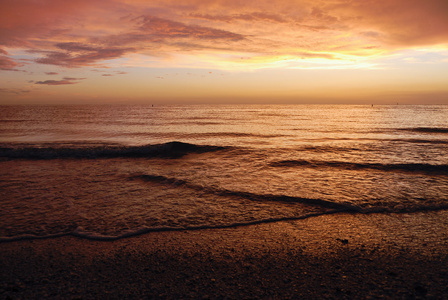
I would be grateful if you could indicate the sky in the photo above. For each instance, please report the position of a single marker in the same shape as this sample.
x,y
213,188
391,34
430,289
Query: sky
x,y
232,51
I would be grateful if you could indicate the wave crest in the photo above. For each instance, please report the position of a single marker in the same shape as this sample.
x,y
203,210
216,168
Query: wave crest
x,y
246,195
167,150
428,129
413,167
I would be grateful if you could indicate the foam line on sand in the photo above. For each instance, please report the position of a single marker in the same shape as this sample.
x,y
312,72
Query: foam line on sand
x,y
331,256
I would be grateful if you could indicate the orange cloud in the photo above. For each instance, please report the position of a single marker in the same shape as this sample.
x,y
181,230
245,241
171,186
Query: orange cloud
x,y
251,16
87,33
400,22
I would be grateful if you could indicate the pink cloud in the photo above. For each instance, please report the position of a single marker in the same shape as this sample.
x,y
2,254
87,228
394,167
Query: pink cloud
x,y
7,64
25,22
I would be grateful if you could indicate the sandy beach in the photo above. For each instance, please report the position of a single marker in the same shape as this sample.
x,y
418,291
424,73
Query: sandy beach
x,y
395,256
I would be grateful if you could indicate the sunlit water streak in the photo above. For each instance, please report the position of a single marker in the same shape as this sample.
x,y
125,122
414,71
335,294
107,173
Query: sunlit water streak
x,y
112,171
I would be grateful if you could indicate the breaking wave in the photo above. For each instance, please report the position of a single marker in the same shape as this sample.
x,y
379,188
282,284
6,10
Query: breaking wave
x,y
247,195
427,129
166,150
412,167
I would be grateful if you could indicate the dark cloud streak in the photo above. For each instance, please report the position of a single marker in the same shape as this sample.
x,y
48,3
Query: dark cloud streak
x,y
64,81
78,54
161,36
162,28
14,91
152,32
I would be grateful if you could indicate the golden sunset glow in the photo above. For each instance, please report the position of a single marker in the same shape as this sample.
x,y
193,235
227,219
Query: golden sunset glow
x,y
301,51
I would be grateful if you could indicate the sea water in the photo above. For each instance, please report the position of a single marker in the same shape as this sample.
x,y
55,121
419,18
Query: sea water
x,y
110,171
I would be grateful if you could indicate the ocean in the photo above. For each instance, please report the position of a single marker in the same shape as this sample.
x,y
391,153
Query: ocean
x,y
111,171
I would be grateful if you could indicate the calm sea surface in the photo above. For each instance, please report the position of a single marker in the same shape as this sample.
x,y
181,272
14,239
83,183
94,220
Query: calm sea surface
x,y
106,172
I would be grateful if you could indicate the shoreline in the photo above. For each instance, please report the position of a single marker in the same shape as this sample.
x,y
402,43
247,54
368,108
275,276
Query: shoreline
x,y
329,256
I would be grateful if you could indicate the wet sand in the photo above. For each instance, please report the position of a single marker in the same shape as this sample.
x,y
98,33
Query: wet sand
x,y
396,256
